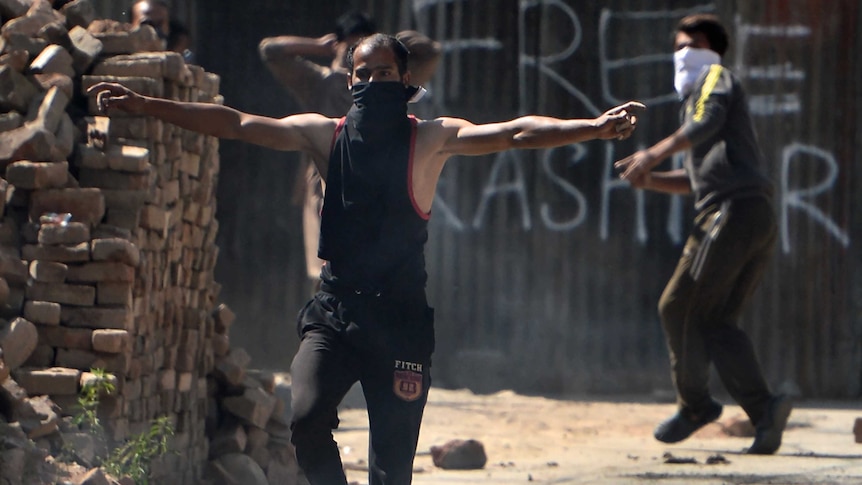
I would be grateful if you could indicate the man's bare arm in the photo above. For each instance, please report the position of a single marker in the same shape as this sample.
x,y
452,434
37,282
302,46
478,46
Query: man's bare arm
x,y
670,182
465,138
273,49
305,132
637,165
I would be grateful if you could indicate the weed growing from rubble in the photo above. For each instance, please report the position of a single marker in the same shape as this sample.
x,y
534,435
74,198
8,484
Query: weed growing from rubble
x,y
88,400
134,456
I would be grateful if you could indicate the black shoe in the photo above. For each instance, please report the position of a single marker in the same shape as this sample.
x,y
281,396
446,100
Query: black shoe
x,y
682,424
767,435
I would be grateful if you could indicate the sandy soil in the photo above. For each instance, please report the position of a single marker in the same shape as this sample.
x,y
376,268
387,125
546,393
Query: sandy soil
x,y
540,440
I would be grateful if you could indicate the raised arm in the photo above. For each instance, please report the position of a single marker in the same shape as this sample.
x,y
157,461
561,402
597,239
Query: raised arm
x,y
308,132
279,48
465,138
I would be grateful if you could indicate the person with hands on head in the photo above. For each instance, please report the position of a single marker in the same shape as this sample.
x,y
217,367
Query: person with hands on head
x,y
730,245
323,89
370,322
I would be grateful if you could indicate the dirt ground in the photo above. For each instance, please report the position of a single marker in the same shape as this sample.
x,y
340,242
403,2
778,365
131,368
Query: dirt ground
x,y
549,441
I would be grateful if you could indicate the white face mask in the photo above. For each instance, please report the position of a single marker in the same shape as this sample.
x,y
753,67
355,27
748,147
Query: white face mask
x,y
688,63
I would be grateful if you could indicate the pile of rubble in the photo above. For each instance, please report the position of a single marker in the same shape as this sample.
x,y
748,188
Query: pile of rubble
x,y
107,252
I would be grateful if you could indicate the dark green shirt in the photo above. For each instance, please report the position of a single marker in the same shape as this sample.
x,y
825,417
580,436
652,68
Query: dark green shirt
x,y
725,160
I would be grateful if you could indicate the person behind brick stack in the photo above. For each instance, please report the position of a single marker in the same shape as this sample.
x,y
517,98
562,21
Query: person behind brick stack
x,y
319,88
157,14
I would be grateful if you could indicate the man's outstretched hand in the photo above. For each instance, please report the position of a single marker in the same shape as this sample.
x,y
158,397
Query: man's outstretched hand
x,y
620,122
113,95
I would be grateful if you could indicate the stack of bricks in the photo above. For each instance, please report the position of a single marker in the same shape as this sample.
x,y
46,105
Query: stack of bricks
x,y
246,420
107,241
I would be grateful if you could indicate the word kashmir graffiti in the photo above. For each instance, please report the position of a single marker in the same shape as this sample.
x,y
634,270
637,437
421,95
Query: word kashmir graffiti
x,y
508,175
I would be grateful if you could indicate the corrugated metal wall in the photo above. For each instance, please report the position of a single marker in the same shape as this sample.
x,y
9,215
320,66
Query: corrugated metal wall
x,y
544,270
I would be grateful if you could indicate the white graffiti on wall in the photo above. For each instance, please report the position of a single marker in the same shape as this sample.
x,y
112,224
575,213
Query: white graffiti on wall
x,y
770,103
797,197
507,179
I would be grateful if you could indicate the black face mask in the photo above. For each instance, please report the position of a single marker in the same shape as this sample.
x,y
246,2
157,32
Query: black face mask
x,y
379,109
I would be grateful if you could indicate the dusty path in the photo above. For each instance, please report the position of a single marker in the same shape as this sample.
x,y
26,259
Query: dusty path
x,y
539,440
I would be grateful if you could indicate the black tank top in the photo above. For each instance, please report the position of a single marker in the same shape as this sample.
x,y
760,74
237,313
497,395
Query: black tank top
x,y
372,234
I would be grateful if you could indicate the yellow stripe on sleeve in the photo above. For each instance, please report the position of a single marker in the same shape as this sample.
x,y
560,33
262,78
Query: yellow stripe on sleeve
x,y
708,85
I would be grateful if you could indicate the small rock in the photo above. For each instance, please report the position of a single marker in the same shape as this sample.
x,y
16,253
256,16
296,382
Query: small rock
x,y
459,455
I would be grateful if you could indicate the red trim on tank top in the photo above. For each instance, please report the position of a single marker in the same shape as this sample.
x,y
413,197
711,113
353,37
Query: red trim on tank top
x,y
418,210
338,128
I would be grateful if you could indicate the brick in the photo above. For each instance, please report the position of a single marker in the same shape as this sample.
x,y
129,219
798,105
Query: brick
x,y
11,121
48,271
220,344
29,142
123,218
17,43
114,293
51,109
42,357
79,13
71,233
39,15
117,250
127,158
18,339
228,439
109,179
111,341
42,312
53,59
62,254
98,271
14,8
167,380
105,318
37,417
155,218
37,175
78,295
129,66
56,380
50,80
85,49
91,157
117,364
16,91
86,205
121,42
254,407
76,359
224,318
13,269
184,381
67,338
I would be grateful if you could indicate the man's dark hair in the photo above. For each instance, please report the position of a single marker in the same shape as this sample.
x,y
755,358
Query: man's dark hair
x,y
376,41
710,26
354,24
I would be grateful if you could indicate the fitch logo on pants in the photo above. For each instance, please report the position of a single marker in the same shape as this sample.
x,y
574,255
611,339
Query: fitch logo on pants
x,y
407,380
